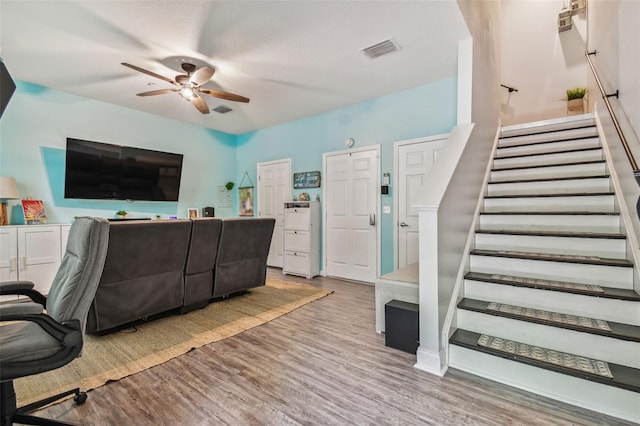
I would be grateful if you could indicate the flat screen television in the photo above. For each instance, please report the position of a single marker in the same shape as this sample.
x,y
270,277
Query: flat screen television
x,y
96,170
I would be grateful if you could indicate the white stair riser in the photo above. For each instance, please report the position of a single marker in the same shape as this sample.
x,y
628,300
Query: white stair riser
x,y
591,395
569,223
508,138
589,203
550,187
616,310
576,170
548,147
606,248
544,159
611,276
574,342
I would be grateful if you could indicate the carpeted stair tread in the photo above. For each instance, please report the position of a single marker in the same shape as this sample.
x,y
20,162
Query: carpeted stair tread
x,y
598,235
554,319
541,154
554,179
538,166
587,260
564,287
553,195
624,377
547,132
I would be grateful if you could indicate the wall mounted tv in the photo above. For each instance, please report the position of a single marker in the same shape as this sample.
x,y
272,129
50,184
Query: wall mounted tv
x,y
96,170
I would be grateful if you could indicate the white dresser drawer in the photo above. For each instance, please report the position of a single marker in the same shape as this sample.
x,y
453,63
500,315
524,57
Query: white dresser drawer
x,y
297,241
296,262
297,218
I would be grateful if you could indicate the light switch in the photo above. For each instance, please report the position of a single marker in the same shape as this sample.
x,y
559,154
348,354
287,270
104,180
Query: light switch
x,y
386,209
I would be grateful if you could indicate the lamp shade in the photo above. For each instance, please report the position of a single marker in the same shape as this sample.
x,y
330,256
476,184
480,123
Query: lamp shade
x,y
8,188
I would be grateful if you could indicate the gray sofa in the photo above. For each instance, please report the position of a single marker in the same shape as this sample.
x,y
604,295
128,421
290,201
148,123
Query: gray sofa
x,y
154,267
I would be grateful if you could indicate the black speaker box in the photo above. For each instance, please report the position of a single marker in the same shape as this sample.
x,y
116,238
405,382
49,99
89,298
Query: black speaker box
x,y
208,212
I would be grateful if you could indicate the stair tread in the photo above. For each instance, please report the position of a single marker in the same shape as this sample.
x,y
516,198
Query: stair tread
x,y
565,178
616,330
567,194
565,287
623,377
602,235
537,166
551,213
536,143
590,126
537,154
588,260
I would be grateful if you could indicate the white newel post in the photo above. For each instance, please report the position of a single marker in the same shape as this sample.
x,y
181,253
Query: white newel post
x,y
431,356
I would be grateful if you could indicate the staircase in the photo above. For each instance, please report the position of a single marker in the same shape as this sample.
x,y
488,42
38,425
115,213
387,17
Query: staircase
x,y
548,303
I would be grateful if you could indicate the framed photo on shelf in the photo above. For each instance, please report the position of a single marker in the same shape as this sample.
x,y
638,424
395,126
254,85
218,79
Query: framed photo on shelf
x,y
33,211
192,213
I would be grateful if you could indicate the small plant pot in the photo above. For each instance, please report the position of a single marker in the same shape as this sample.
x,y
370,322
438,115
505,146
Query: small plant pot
x,y
575,106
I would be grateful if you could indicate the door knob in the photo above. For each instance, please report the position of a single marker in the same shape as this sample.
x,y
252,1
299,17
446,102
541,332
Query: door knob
x,y
404,224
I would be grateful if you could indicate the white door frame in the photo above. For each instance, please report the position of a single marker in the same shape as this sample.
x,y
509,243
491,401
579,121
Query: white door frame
x,y
396,179
375,147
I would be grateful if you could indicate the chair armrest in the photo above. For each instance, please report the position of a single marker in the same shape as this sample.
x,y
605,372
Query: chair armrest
x,y
68,333
13,309
22,288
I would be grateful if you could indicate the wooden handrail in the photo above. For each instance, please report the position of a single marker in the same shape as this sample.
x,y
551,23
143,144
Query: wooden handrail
x,y
616,124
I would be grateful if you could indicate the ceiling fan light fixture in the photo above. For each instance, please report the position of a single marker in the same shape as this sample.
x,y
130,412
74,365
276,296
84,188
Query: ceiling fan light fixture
x,y
187,93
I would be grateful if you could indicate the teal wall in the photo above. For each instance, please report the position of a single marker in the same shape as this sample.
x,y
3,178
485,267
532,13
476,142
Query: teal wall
x,y
33,133
37,121
422,111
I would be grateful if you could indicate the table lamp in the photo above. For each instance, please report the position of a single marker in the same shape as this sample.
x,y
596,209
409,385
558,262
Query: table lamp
x,y
8,191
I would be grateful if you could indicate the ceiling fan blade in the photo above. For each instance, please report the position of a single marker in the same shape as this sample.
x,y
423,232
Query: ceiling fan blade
x,y
152,74
158,92
222,95
200,103
202,75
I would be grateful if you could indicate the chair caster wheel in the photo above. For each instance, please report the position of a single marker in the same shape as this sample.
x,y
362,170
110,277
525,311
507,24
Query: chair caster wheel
x,y
81,398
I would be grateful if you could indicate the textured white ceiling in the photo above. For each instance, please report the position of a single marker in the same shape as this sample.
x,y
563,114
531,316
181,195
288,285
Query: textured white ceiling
x,y
292,58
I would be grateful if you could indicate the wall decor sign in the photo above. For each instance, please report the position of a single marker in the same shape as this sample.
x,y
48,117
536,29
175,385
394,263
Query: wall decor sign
x,y
306,180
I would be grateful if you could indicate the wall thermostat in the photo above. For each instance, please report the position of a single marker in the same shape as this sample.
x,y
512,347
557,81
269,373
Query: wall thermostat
x,y
349,142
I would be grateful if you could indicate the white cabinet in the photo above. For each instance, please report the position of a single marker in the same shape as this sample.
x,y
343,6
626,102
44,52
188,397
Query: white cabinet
x,y
301,238
30,253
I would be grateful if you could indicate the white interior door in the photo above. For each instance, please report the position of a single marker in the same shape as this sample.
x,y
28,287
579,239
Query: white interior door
x,y
413,161
351,194
274,188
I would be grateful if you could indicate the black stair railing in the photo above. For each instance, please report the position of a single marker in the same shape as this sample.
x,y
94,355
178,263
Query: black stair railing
x,y
616,124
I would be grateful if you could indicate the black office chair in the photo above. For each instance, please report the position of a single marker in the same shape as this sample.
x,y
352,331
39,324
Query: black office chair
x,y
33,341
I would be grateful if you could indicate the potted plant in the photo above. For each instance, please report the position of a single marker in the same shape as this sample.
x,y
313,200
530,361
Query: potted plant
x,y
575,100
229,186
121,214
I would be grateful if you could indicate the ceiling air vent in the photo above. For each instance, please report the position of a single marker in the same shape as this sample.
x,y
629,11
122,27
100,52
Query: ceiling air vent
x,y
380,49
222,109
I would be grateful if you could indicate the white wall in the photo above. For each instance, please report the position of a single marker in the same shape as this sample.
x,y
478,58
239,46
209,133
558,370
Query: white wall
x,y
456,180
538,61
614,34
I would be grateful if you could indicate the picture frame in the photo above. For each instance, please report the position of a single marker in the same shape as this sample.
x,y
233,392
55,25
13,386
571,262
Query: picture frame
x,y
306,180
33,211
192,213
246,201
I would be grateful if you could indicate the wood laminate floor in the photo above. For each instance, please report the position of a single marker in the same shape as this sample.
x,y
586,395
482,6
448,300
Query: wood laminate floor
x,y
322,364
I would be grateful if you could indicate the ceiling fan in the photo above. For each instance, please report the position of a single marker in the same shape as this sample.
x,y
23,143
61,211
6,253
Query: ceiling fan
x,y
189,86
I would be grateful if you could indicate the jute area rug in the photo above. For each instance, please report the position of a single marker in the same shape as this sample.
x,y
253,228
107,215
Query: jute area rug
x,y
120,354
